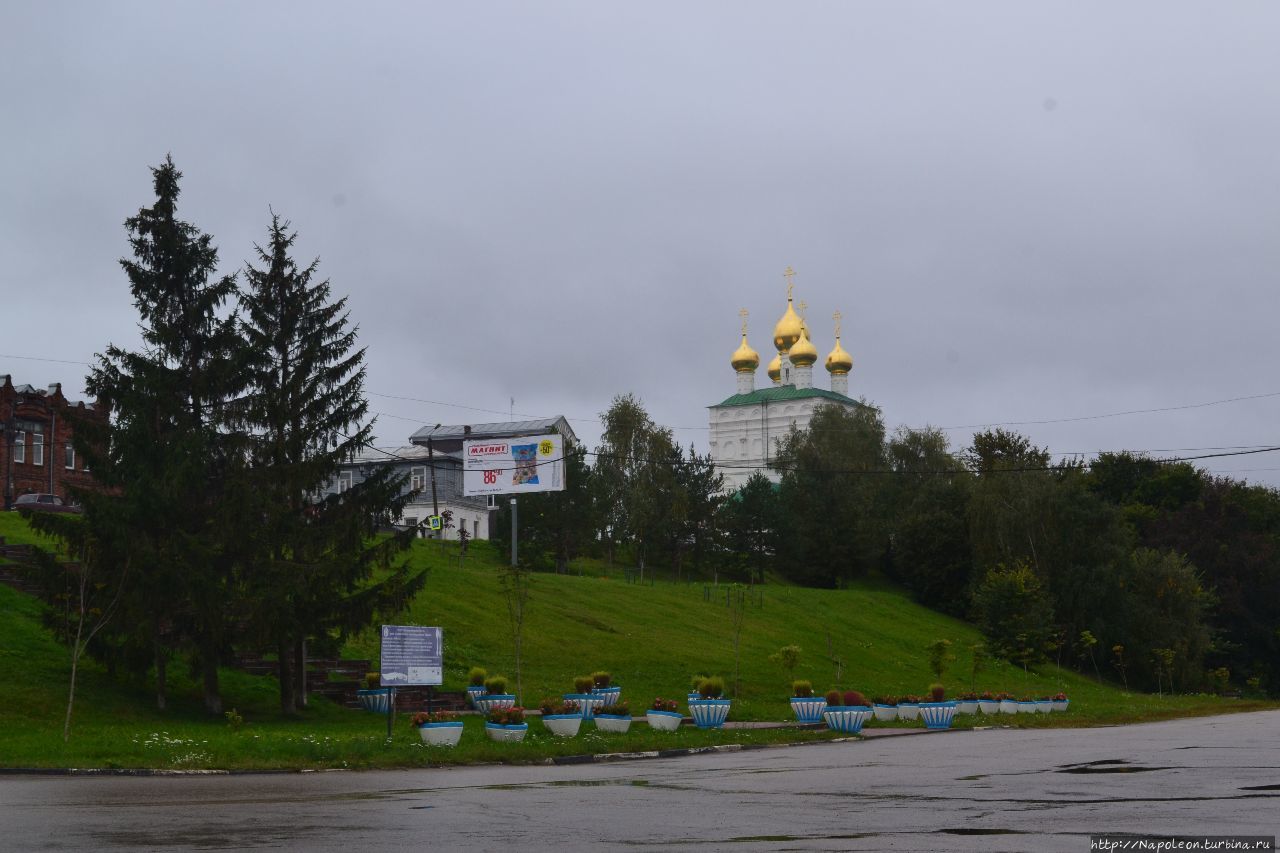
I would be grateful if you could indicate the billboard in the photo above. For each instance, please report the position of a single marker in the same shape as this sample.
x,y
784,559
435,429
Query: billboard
x,y
411,655
513,466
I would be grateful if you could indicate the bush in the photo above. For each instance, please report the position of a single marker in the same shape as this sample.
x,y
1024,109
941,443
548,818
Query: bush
x,y
1014,613
661,704
711,687
372,680
937,693
601,679
801,689
422,717
616,709
496,684
506,716
834,698
476,676
853,697
583,684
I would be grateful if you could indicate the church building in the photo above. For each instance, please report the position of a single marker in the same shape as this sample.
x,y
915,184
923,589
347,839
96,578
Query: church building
x,y
747,426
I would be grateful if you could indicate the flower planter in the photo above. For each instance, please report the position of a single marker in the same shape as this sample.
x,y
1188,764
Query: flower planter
x,y
908,711
1008,706
495,702
440,734
615,723
989,706
506,734
1026,707
885,713
846,718
967,706
709,713
1060,704
694,697
664,721
1044,706
588,703
610,694
808,709
937,715
377,700
562,725
475,691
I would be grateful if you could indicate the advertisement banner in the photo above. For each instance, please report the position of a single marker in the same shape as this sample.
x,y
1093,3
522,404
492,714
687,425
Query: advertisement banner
x,y
513,466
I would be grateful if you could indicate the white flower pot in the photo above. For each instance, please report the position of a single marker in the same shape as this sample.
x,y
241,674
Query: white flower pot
x,y
808,709
1026,707
937,715
989,706
1008,706
377,699
664,721
967,706
474,691
562,725
615,723
908,711
506,734
611,694
1044,706
1060,704
709,713
440,734
846,718
495,702
588,703
885,713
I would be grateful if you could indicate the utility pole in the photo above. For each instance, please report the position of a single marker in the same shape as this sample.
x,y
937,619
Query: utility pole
x,y
513,533
435,501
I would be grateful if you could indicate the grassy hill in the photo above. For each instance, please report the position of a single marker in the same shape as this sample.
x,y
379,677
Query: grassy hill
x,y
653,638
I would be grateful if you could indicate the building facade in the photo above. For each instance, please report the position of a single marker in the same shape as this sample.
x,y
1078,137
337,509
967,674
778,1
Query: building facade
x,y
746,427
37,452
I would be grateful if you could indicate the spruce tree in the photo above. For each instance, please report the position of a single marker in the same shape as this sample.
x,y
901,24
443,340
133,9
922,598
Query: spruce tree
x,y
307,414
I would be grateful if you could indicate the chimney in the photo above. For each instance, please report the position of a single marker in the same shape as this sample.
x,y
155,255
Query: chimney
x,y
466,430
55,389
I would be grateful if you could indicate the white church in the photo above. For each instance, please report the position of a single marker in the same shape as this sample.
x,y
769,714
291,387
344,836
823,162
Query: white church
x,y
746,427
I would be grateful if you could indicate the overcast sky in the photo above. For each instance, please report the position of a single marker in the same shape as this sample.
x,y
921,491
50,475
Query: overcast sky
x,y
1025,211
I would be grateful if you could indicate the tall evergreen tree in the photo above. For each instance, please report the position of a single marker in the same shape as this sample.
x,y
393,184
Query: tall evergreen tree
x,y
307,412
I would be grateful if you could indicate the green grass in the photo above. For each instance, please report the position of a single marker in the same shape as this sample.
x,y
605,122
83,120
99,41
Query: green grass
x,y
653,638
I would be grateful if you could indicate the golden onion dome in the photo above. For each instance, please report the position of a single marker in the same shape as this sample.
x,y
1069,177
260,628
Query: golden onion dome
x,y
745,359
788,330
775,369
839,362
803,353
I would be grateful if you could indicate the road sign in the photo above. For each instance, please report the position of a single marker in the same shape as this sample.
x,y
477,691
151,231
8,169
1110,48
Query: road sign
x,y
412,655
434,522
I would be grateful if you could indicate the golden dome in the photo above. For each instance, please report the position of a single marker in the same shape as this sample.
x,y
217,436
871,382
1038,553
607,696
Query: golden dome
x,y
775,369
788,330
803,353
839,362
745,359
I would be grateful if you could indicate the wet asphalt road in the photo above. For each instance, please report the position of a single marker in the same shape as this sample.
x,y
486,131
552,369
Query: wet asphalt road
x,y
954,791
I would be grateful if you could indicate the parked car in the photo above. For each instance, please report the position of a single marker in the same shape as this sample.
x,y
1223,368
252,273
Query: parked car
x,y
43,503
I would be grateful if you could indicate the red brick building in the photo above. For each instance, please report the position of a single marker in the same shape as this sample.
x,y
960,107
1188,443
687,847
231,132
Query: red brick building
x,y
36,454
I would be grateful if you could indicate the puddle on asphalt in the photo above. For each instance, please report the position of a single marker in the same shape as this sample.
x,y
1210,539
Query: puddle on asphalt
x,y
979,830
1261,788
1088,769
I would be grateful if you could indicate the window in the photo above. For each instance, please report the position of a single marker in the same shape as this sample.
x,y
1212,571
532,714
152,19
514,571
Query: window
x,y
344,481
71,458
411,521
37,449
19,446
417,479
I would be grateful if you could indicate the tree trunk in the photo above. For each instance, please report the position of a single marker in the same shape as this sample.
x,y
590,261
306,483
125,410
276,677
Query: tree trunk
x,y
161,685
300,672
209,668
284,650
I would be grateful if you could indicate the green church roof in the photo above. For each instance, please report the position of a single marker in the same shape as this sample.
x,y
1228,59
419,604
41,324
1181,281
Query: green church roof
x,y
783,392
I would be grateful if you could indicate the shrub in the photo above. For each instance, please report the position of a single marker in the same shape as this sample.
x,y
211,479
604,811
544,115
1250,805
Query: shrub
x,y
988,696
550,705
886,700
801,689
968,697
697,682
1002,697
711,687
422,717
937,693
616,709
601,679
833,698
583,684
506,716
476,676
909,699
372,680
496,684
853,697
661,704
1061,697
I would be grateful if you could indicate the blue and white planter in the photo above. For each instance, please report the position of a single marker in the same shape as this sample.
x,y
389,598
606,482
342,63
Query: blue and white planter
x,y
588,703
966,706
908,711
989,706
612,694
937,715
847,719
440,734
1026,707
562,725
694,697
709,713
616,723
1008,706
664,721
808,709
377,700
1044,706
884,713
506,734
1060,704
495,702
475,691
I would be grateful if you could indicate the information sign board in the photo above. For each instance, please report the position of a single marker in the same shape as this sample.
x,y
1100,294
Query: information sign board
x,y
412,655
513,466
